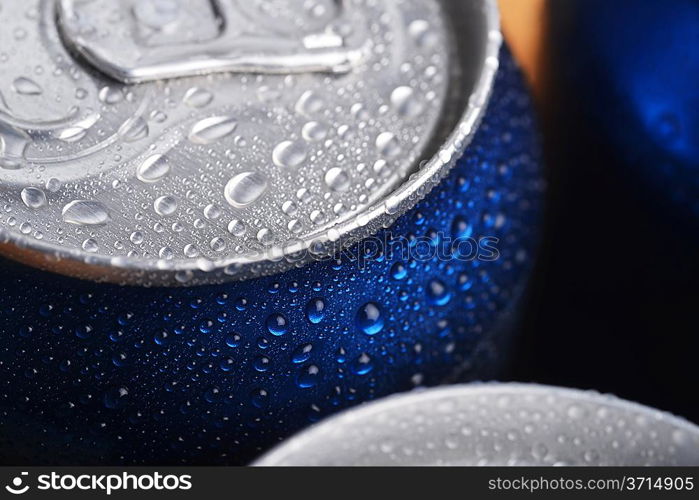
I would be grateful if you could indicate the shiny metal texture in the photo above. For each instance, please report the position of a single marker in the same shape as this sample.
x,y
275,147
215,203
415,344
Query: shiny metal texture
x,y
227,176
495,424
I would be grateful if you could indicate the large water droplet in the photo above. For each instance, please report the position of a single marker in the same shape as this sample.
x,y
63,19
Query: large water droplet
x,y
277,324
245,189
210,130
302,353
33,197
387,145
337,179
315,311
153,168
85,213
308,377
26,86
405,102
309,103
110,95
197,97
236,228
369,318
289,154
78,130
165,205
134,129
314,131
437,293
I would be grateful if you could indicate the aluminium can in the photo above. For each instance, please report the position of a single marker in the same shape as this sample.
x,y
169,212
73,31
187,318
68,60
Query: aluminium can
x,y
235,218
495,425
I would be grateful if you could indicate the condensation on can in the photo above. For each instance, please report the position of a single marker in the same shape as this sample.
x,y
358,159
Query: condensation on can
x,y
261,136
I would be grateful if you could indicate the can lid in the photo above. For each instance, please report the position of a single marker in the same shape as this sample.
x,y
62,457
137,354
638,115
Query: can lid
x,y
164,142
497,425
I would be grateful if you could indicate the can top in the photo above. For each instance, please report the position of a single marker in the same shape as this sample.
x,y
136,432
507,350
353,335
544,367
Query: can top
x,y
494,424
164,142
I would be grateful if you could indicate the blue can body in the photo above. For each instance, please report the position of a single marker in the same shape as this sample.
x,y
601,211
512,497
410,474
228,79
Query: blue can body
x,y
102,374
633,66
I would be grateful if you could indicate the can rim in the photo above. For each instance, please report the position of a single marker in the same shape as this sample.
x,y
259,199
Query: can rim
x,y
157,272
394,403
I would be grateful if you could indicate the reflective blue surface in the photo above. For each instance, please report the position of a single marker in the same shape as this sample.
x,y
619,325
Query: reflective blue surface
x,y
109,375
634,65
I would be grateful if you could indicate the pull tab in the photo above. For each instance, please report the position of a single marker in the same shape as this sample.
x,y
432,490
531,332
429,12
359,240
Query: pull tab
x,y
136,41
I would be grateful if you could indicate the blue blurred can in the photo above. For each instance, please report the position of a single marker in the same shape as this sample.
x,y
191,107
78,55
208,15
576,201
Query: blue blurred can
x,y
241,277
632,66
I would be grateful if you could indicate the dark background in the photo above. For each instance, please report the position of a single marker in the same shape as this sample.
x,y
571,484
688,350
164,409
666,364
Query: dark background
x,y
614,301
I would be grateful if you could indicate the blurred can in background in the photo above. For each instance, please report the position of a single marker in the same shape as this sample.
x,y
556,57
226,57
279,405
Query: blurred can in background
x,y
632,66
229,248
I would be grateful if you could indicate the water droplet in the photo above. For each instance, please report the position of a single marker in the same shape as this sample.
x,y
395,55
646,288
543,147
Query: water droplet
x,y
277,324
289,154
153,168
245,189
236,228
259,398
461,229
314,131
308,377
115,398
369,318
26,86
78,130
315,311
110,95
210,130
53,185
90,245
387,145
363,364
405,102
85,213
134,129
421,32
337,179
33,197
437,293
399,271
309,103
197,97
217,244
302,354
165,205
